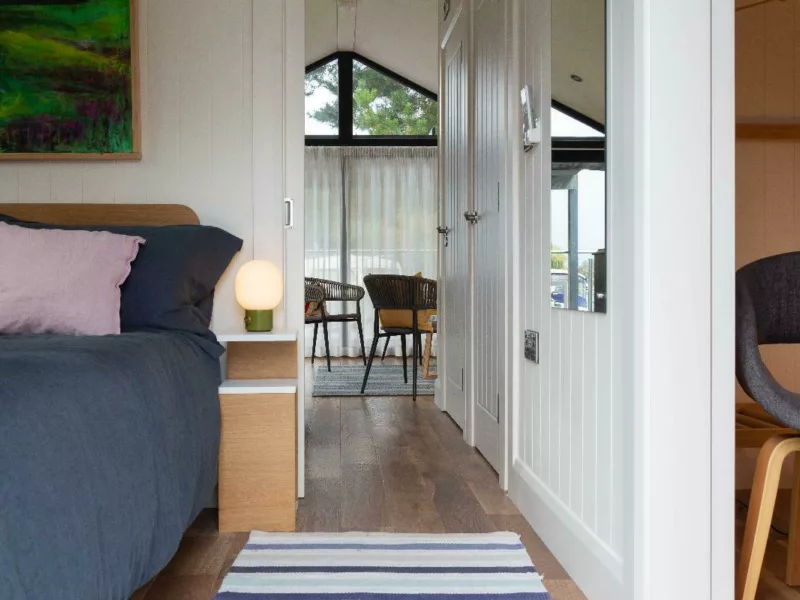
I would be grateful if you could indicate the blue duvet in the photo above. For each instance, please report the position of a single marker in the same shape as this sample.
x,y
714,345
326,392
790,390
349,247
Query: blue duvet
x,y
108,451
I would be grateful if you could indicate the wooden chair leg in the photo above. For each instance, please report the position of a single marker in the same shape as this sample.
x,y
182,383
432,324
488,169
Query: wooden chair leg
x,y
426,360
793,556
759,515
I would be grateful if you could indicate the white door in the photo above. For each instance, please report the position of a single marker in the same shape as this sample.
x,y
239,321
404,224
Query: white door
x,y
488,324
455,278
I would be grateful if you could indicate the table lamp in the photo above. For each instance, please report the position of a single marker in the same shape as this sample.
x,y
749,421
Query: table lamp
x,y
259,289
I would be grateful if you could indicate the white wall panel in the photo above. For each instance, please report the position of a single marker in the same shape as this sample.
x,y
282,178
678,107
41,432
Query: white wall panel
x,y
567,471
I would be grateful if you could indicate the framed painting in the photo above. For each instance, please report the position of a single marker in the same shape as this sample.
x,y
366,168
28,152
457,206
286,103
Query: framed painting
x,y
69,87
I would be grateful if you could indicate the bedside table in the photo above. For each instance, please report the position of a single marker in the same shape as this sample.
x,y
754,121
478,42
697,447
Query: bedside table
x,y
258,446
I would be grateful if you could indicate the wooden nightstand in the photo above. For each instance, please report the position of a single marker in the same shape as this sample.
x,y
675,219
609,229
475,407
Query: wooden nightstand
x,y
258,450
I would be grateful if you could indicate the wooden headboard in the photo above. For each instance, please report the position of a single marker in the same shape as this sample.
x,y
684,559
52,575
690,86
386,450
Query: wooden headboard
x,y
103,214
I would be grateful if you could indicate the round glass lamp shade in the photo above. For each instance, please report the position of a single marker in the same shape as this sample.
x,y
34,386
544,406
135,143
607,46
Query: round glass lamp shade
x,y
259,289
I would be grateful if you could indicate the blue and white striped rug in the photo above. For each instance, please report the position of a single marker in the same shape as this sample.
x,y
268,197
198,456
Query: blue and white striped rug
x,y
383,566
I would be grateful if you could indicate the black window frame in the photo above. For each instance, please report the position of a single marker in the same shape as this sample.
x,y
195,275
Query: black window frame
x,y
582,149
346,136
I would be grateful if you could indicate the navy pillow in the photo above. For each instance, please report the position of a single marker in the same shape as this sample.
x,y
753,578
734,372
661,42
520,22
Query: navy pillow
x,y
172,280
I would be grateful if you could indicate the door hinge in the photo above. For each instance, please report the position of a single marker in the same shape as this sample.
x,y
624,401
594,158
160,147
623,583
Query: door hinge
x,y
462,379
498,196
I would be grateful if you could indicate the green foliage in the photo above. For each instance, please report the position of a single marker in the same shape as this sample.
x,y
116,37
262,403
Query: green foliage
x,y
558,258
382,106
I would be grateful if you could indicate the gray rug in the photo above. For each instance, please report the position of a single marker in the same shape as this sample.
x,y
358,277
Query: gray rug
x,y
384,380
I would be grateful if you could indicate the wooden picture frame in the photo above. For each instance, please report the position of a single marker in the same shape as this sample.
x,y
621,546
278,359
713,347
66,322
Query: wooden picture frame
x,y
136,153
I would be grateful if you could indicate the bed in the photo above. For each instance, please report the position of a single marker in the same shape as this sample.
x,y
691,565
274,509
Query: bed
x,y
108,444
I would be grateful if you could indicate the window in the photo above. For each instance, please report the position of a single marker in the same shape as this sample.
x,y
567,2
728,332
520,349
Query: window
x,y
322,100
566,126
350,100
384,106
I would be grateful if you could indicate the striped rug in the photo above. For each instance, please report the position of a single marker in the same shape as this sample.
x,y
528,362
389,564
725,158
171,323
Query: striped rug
x,y
384,380
383,566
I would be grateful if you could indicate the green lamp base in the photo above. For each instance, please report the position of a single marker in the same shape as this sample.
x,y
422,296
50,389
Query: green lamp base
x,y
258,320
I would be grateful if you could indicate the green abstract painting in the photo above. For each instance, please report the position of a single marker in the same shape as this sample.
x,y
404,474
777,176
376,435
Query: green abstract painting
x,y
67,79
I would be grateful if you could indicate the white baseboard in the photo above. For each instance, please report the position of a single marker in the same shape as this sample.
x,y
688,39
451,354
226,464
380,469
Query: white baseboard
x,y
593,565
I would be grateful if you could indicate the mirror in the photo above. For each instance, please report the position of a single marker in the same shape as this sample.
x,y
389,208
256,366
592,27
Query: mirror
x,y
578,116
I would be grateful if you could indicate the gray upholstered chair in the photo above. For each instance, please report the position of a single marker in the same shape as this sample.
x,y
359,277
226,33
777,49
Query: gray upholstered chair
x,y
767,312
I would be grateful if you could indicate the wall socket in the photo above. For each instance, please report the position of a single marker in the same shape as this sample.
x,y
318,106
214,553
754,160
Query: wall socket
x,y
532,345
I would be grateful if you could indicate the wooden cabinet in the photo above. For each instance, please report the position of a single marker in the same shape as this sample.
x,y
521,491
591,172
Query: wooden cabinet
x,y
258,452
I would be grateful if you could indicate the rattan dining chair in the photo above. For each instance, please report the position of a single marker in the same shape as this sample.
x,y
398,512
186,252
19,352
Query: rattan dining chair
x,y
333,291
399,292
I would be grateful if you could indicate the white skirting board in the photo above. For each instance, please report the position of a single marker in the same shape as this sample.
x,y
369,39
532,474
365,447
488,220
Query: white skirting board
x,y
596,568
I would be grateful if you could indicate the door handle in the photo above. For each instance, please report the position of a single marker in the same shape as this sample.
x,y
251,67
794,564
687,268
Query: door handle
x,y
288,213
472,216
445,231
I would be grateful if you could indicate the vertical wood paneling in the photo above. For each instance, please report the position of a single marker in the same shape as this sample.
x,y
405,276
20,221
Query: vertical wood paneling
x,y
569,356
569,433
66,183
194,92
9,185
605,498
162,133
589,426
196,80
34,183
577,422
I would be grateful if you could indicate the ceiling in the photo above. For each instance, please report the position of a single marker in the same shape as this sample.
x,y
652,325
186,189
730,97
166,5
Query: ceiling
x,y
578,37
401,35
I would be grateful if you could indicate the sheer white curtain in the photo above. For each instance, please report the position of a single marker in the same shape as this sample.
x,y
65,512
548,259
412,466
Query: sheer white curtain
x,y
368,211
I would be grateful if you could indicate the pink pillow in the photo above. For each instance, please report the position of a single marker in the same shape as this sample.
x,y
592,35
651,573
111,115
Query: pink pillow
x,y
58,281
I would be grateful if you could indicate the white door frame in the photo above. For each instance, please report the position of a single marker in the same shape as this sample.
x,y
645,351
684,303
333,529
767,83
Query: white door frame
x,y
278,64
678,98
671,118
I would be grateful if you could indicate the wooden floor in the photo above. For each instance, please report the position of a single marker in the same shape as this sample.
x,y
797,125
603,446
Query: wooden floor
x,y
771,585
374,464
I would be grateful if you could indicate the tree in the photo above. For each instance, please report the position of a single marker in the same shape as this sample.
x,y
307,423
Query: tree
x,y
381,105
558,258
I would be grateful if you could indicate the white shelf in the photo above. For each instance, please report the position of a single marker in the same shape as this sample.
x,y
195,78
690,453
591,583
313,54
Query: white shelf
x,y
258,386
266,336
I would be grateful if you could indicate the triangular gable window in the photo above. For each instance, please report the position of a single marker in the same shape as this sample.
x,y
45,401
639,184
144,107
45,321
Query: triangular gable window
x,y
352,101
566,126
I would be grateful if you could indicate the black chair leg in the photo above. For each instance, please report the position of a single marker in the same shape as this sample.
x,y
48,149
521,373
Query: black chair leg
x,y
361,338
386,347
405,357
314,346
375,340
327,345
419,345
